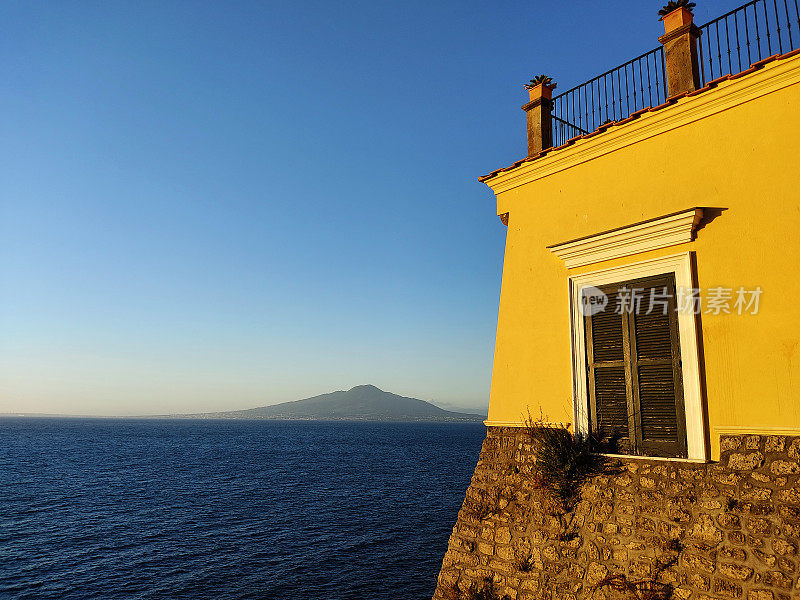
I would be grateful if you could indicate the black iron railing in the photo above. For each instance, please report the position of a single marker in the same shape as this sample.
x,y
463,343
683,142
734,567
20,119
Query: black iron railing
x,y
564,130
731,43
612,96
728,45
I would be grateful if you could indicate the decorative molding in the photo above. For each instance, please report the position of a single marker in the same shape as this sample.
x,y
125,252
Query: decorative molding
x,y
727,94
679,31
489,423
658,458
660,232
755,430
681,266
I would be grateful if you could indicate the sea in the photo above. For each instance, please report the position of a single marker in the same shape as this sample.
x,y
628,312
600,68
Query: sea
x,y
228,510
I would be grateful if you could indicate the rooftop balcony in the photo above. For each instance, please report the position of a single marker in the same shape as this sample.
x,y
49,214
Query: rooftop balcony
x,y
690,60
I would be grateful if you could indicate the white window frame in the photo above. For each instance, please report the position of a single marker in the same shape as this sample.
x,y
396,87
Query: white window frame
x,y
680,265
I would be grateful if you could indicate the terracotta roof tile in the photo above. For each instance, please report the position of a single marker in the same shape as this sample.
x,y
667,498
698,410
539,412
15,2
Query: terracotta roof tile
x,y
635,115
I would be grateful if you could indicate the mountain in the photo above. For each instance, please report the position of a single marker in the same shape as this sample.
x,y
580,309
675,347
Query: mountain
x,y
361,403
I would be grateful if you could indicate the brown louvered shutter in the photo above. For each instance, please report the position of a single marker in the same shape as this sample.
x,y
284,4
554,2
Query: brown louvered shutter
x,y
608,386
656,370
633,360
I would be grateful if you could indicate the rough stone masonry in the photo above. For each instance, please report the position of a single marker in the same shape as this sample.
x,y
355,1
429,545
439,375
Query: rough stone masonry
x,y
644,528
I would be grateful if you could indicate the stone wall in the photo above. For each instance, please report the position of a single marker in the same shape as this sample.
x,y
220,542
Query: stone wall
x,y
649,529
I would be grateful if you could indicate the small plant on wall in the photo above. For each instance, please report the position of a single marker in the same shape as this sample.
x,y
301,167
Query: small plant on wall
x,y
674,5
524,563
564,461
540,80
484,503
486,591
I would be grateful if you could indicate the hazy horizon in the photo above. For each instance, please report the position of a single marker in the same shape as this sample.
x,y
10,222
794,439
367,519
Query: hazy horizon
x,y
455,407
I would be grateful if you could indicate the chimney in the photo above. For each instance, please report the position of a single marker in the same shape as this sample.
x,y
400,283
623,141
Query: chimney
x,y
680,50
540,124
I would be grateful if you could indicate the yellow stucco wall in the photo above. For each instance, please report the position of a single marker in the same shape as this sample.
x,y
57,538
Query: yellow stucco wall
x,y
731,148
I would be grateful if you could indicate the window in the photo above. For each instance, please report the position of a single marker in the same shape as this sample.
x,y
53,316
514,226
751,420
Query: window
x,y
633,366
639,374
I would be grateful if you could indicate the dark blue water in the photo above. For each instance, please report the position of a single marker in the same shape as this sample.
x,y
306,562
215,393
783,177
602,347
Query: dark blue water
x,y
228,509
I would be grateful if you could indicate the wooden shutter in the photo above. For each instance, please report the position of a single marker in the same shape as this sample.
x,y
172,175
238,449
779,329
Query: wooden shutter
x,y
633,368
656,370
609,391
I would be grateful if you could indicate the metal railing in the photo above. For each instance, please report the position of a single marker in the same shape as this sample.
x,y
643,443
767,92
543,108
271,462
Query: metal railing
x,y
728,45
612,96
731,43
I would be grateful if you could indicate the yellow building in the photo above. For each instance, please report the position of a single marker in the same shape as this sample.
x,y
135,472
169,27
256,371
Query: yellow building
x,y
649,296
676,223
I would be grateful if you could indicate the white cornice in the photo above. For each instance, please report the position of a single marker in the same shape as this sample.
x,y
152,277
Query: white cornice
x,y
669,230
756,430
523,423
770,78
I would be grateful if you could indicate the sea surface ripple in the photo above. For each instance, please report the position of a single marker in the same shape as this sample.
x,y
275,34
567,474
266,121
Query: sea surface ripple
x,y
228,510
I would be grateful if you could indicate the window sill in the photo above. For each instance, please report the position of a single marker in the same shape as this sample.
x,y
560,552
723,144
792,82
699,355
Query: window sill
x,y
699,461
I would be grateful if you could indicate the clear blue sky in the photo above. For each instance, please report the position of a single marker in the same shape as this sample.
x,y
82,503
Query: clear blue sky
x,y
209,206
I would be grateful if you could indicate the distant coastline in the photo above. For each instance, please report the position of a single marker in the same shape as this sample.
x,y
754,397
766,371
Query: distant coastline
x,y
361,403
470,418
